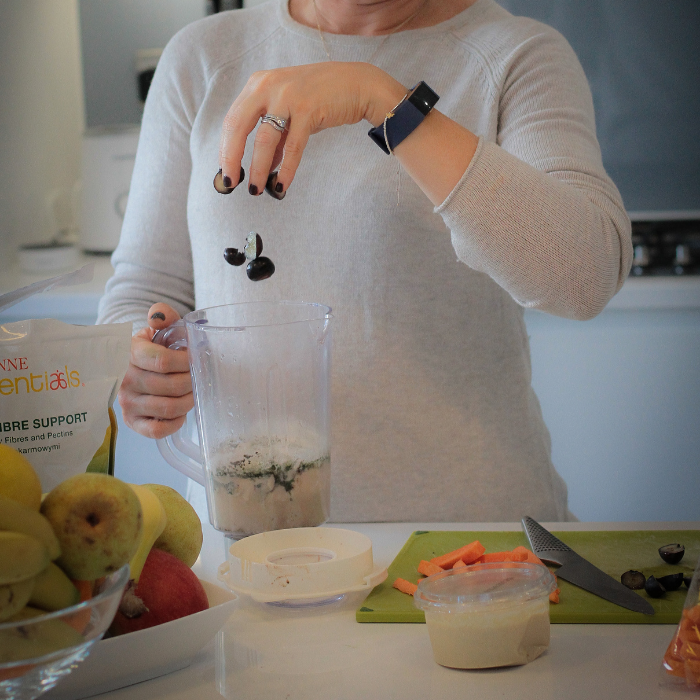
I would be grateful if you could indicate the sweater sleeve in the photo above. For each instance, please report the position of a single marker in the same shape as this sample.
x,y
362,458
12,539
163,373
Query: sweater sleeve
x,y
536,210
153,261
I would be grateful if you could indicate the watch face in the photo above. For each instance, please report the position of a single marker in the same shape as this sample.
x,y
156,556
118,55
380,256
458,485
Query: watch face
x,y
423,97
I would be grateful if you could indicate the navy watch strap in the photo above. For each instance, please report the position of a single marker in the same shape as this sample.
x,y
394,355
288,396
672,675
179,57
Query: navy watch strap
x,y
407,115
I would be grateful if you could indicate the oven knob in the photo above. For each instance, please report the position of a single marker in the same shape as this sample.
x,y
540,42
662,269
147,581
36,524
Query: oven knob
x,y
641,260
682,259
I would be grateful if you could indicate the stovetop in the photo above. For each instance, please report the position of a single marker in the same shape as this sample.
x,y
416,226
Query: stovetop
x,y
666,248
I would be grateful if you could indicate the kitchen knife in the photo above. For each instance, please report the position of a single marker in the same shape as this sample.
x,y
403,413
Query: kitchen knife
x,y
577,570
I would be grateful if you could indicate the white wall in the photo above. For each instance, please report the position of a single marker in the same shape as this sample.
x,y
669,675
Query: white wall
x,y
41,116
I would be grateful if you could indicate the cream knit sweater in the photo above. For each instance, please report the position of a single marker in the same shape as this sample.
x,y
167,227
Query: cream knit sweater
x,y
434,417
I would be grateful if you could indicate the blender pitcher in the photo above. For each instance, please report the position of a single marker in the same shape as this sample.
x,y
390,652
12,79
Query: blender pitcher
x,y
260,376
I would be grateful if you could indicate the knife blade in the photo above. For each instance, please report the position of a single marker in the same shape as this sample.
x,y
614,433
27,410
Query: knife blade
x,y
579,571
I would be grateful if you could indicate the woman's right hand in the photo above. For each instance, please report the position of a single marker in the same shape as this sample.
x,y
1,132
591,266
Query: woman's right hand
x,y
156,392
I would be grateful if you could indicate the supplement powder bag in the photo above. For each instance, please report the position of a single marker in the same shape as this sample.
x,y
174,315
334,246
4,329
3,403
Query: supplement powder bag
x,y
57,386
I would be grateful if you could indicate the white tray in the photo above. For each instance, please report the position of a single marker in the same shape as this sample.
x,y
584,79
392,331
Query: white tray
x,y
138,656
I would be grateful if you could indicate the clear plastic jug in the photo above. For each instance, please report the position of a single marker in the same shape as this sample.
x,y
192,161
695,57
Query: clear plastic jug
x,y
261,381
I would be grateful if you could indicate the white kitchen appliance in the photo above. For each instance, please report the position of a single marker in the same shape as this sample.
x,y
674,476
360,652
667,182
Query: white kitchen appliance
x,y
108,156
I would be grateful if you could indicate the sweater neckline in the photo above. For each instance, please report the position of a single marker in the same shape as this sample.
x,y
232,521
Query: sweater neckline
x,y
361,41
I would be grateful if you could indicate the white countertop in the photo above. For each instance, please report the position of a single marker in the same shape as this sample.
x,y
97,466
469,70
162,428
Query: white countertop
x,y
265,653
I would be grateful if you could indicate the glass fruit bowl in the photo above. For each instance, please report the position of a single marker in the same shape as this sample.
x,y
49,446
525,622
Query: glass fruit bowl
x,y
37,651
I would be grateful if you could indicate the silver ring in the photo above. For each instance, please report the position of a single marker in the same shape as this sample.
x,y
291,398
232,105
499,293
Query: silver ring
x,y
279,123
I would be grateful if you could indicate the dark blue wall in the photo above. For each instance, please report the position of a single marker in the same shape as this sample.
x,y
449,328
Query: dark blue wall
x,y
642,59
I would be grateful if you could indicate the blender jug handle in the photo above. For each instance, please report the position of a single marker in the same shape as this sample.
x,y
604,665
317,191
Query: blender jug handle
x,y
177,449
182,454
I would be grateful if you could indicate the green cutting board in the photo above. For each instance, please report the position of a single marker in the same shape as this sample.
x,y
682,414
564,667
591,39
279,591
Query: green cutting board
x,y
612,551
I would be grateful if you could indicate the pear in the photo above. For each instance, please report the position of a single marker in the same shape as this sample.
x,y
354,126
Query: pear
x,y
182,536
18,480
98,522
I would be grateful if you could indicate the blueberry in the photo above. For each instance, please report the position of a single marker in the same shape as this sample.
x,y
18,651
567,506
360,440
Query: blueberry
x,y
219,184
672,553
253,246
260,269
234,257
671,582
654,588
633,579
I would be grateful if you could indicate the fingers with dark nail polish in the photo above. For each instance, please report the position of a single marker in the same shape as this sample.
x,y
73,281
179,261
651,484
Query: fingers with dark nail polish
x,y
158,315
274,188
253,189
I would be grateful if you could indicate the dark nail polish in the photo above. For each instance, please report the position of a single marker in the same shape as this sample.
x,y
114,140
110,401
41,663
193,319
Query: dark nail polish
x,y
227,181
274,188
252,189
158,315
242,175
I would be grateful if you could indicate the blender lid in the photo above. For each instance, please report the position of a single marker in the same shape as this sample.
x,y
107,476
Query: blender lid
x,y
301,564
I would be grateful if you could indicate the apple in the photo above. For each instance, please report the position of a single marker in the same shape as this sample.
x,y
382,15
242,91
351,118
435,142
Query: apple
x,y
98,522
182,536
167,590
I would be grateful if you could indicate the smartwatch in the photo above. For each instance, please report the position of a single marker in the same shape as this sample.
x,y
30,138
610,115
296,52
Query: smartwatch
x,y
404,118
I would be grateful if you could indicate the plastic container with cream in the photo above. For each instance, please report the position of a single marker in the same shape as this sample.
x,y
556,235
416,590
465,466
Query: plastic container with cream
x,y
487,615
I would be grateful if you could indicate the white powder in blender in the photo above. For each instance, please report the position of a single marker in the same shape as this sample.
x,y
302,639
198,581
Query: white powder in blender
x,y
269,484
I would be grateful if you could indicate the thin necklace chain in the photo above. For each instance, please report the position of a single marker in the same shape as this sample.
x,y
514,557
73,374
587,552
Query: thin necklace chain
x,y
370,60
384,40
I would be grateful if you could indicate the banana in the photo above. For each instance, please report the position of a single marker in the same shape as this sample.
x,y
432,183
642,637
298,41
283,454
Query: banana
x,y
15,517
154,521
21,557
53,590
21,643
13,597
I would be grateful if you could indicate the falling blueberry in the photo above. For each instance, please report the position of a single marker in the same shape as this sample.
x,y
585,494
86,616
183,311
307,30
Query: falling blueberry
x,y
219,184
234,257
260,269
253,246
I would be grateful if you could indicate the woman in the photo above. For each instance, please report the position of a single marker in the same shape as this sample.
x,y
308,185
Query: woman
x,y
503,204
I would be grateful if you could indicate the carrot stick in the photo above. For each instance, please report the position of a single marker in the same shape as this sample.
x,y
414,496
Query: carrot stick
x,y
405,586
530,556
79,621
469,553
554,595
459,564
489,557
428,568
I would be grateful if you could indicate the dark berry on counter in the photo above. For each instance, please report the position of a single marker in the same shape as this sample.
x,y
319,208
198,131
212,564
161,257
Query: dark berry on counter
x,y
671,582
633,579
672,553
654,588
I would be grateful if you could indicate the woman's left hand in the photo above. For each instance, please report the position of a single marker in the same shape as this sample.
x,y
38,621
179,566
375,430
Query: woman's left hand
x,y
310,98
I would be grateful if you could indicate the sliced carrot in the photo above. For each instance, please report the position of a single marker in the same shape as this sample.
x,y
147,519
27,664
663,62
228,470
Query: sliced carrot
x,y
79,621
459,564
428,568
690,650
489,557
405,586
469,553
15,672
693,614
530,556
521,555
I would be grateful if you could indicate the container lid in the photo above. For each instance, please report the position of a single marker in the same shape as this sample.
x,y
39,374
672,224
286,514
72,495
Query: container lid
x,y
480,585
301,564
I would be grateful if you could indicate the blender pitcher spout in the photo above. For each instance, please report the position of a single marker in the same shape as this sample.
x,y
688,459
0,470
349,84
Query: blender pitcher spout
x,y
323,332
